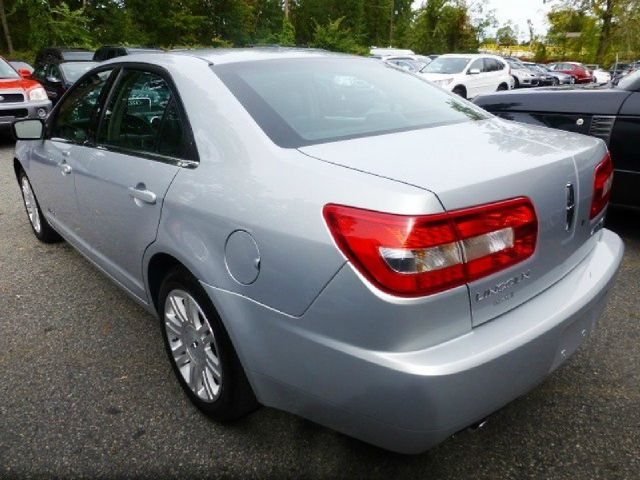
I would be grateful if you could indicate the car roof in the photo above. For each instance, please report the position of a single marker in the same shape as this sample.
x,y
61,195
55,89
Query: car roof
x,y
219,56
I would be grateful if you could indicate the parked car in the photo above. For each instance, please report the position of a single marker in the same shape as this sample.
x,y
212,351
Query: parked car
x,y
575,69
545,77
54,55
618,68
523,75
107,52
600,75
58,77
316,237
20,95
469,75
20,65
377,52
563,78
412,64
611,113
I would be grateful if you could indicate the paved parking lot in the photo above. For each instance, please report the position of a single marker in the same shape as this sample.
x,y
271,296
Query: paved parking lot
x,y
86,390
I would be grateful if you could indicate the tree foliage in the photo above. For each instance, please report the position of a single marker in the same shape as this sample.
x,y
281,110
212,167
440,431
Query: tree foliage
x,y
606,27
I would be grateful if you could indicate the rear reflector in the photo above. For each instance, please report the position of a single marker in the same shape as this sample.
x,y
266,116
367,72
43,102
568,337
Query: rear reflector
x,y
417,255
602,183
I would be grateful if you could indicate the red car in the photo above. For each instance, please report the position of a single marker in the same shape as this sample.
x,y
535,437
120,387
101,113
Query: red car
x,y
575,69
20,96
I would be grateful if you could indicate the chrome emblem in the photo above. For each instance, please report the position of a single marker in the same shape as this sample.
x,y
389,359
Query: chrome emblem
x,y
571,206
502,287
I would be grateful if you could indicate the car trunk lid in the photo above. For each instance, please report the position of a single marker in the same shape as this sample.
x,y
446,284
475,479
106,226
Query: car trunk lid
x,y
484,162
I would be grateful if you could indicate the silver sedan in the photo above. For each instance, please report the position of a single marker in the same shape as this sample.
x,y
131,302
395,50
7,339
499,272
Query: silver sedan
x,y
328,235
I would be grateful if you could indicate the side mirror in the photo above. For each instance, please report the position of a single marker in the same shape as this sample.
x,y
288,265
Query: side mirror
x,y
24,73
473,71
52,79
28,129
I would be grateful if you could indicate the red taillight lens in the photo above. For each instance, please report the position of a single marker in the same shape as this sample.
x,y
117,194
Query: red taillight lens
x,y
603,181
417,255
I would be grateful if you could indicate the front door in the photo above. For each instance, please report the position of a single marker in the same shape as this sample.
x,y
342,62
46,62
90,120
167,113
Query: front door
x,y
122,185
72,126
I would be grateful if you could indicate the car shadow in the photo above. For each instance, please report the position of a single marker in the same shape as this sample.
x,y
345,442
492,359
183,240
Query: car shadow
x,y
625,222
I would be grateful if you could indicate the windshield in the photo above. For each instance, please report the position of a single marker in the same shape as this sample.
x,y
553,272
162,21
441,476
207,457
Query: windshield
x,y
7,71
301,102
449,65
74,70
630,82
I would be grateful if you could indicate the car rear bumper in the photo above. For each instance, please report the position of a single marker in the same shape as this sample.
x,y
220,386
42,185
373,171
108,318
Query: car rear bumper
x,y
10,112
411,400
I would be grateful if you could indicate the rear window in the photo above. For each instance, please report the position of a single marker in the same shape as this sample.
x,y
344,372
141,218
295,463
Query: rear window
x,y
300,102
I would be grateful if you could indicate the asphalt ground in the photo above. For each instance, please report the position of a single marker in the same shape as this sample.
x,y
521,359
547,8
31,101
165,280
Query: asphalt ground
x,y
87,391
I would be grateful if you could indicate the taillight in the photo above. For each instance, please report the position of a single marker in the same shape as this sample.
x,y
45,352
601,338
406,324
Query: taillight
x,y
603,181
417,255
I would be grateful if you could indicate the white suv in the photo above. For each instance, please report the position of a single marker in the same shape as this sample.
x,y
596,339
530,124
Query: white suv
x,y
469,75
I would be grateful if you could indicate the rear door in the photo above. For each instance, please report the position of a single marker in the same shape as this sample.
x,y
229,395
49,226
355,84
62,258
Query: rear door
x,y
121,186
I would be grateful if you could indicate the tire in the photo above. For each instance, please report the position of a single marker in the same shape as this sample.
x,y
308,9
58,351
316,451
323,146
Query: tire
x,y
555,82
195,338
572,81
461,91
502,87
39,225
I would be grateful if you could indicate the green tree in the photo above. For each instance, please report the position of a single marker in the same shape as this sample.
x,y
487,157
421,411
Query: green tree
x,y
507,34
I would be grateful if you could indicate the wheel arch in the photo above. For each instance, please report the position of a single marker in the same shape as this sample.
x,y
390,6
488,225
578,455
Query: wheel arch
x,y
460,86
17,168
158,267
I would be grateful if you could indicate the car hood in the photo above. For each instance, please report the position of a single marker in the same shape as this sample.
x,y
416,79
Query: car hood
x,y
594,100
15,83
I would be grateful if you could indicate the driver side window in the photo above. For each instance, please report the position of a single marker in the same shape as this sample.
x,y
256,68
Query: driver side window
x,y
477,65
135,112
77,117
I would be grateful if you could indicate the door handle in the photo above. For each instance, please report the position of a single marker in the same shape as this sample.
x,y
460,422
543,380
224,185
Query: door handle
x,y
140,192
65,168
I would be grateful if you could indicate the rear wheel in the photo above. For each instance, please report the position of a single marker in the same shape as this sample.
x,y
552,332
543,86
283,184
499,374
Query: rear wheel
x,y
200,350
41,228
555,82
460,90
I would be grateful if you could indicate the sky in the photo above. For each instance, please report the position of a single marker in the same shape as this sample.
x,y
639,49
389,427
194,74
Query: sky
x,y
518,11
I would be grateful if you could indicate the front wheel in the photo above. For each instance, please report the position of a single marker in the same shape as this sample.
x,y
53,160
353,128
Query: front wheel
x,y
502,87
572,80
555,82
41,228
200,350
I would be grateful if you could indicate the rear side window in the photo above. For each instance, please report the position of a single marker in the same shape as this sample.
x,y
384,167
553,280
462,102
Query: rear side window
x,y
142,116
494,65
314,100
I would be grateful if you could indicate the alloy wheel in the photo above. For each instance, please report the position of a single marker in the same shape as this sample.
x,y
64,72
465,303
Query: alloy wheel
x,y
193,345
31,205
